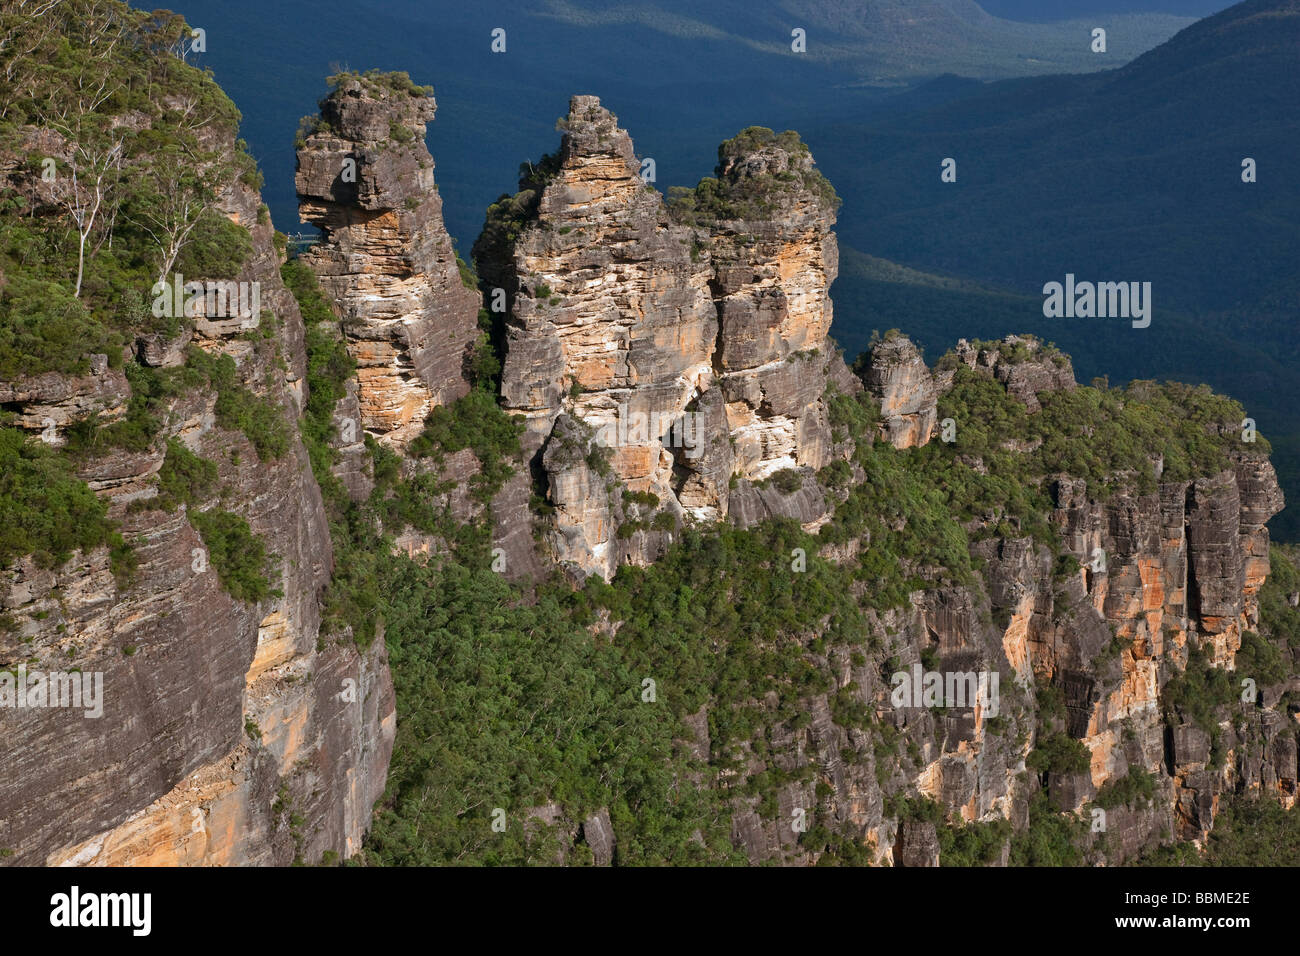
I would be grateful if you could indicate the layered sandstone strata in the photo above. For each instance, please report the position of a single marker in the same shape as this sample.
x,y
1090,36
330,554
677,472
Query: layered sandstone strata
x,y
695,348
1155,574
774,258
611,320
385,259
899,379
232,732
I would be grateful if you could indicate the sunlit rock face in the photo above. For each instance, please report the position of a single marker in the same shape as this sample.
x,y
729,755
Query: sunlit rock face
x,y
385,259
898,377
696,351
221,718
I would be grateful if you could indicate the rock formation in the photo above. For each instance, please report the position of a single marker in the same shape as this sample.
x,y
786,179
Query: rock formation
x,y
897,376
233,732
672,364
365,179
695,348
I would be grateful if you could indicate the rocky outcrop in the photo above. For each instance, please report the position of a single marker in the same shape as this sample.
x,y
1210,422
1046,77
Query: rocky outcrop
x,y
774,258
232,732
611,320
1145,579
673,366
385,259
694,348
1022,363
899,379
48,404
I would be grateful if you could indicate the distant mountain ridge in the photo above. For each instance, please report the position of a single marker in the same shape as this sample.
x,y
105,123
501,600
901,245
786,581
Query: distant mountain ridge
x,y
1130,174
885,41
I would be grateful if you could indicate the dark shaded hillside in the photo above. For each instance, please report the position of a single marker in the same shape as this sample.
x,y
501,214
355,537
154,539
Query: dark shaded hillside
x,y
1100,172
1129,175
885,41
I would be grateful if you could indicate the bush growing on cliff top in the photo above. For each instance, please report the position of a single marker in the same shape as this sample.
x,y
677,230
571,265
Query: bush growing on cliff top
x,y
507,218
155,170
1111,437
723,196
396,81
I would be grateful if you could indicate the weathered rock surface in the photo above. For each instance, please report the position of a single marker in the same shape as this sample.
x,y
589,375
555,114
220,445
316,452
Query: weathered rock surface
x,y
612,320
698,355
1022,363
1158,573
385,259
898,377
772,273
671,369
222,719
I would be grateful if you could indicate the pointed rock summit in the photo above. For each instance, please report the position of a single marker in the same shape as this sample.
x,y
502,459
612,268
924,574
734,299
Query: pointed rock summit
x,y
690,337
385,259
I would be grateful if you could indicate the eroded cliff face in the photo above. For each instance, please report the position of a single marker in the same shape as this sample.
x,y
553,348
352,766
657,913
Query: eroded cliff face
x,y
1155,574
625,320
899,379
406,312
233,732
697,355
385,259
772,271
1178,568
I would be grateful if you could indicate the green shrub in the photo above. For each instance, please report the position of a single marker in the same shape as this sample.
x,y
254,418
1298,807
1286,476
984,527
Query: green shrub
x,y
329,366
238,408
184,478
475,421
973,844
728,196
45,510
44,329
238,556
1051,838
217,249
787,480
1136,786
1059,753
